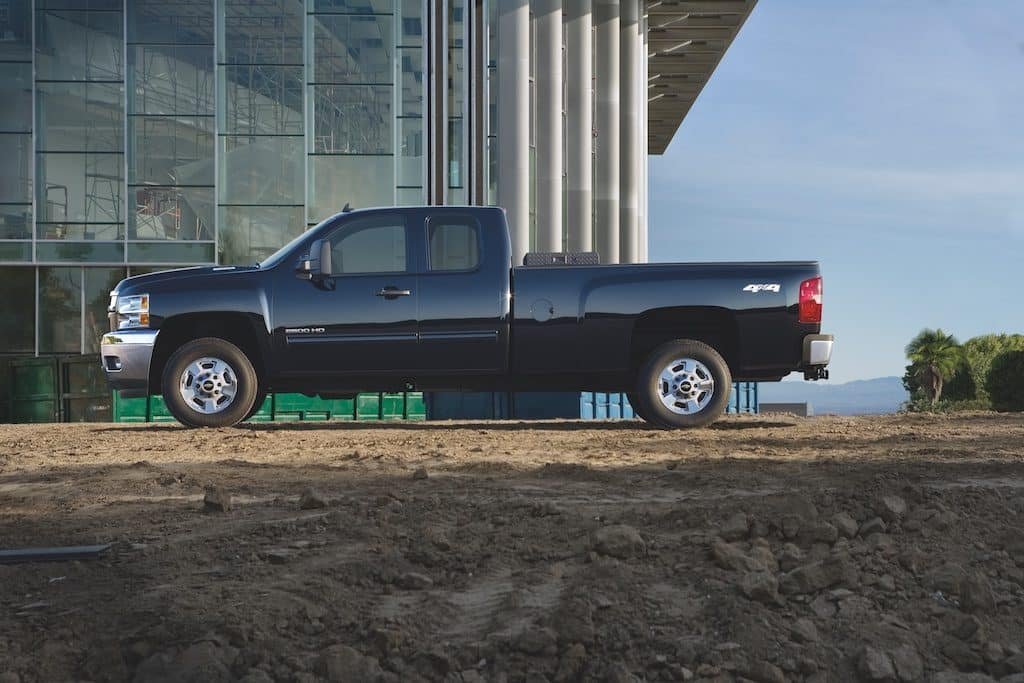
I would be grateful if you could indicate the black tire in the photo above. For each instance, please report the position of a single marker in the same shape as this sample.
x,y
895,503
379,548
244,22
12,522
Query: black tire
x,y
261,396
649,385
244,378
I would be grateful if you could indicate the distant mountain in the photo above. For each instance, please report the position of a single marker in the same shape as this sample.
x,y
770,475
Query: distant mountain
x,y
861,397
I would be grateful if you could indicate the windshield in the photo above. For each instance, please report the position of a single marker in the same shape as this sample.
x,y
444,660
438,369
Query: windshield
x,y
276,257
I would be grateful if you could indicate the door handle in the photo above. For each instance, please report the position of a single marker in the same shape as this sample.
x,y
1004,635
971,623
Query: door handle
x,y
394,292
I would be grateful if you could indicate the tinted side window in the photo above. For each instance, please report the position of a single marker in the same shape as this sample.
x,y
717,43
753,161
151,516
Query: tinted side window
x,y
370,245
454,244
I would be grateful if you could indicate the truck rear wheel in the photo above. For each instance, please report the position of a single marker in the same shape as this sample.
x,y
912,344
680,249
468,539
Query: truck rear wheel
x,y
683,384
209,382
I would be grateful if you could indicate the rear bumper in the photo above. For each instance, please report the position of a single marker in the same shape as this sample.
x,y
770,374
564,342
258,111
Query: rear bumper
x,y
126,356
817,355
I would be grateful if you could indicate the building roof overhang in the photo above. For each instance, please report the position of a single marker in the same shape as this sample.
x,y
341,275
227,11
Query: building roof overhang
x,y
686,40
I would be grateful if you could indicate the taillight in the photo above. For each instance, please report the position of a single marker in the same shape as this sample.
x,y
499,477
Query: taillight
x,y
810,300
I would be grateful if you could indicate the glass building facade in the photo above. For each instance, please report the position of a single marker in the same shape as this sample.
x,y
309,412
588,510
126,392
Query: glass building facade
x,y
140,135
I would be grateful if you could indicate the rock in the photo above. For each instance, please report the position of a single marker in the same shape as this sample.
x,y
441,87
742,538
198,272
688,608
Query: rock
x,y
961,654
573,621
962,626
976,594
790,558
960,677
823,608
311,499
993,652
216,499
571,663
912,560
620,673
763,672
256,676
344,664
875,665
875,525
619,540
891,508
941,521
907,662
821,532
803,630
535,641
9,677
886,583
761,586
201,662
811,578
736,528
420,473
845,524
729,556
761,553
947,578
790,526
1015,663
279,555
414,581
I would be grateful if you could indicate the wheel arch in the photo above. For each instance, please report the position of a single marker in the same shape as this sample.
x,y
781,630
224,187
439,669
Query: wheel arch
x,y
243,330
717,327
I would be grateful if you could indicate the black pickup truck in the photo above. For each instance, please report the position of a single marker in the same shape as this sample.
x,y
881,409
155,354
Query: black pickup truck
x,y
427,298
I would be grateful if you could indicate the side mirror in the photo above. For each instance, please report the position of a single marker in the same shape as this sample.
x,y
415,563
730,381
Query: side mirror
x,y
317,265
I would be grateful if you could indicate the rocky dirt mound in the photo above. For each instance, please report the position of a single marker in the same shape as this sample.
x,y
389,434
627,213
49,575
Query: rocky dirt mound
x,y
830,549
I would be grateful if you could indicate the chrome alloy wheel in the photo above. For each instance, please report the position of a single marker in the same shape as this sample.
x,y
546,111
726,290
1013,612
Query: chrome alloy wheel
x,y
208,385
686,386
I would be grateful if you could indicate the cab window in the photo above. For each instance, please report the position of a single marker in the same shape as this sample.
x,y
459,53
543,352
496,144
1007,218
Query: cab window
x,y
375,244
454,243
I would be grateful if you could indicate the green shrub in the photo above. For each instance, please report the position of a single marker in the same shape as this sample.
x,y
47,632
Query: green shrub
x,y
1005,382
981,351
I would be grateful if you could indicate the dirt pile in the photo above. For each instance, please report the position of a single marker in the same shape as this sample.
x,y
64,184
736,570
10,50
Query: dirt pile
x,y
828,549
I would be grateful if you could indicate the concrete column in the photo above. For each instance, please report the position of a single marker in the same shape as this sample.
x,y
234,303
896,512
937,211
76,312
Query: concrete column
x,y
514,121
579,125
606,90
630,154
548,17
645,197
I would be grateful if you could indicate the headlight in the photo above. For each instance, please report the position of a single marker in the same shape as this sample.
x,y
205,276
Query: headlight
x,y
133,311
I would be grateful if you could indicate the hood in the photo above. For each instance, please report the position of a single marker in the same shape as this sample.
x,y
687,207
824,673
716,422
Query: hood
x,y
139,283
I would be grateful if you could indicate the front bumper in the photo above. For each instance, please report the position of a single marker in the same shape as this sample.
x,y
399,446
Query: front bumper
x,y
817,355
125,356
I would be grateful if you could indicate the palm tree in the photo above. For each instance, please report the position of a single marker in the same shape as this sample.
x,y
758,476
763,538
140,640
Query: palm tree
x,y
936,355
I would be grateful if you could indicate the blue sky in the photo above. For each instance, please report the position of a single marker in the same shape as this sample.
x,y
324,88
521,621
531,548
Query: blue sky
x,y
882,138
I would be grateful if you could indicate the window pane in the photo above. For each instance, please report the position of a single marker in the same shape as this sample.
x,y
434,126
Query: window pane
x,y
411,81
353,48
60,310
410,196
409,164
269,33
171,252
171,213
16,95
98,283
79,188
79,231
410,21
16,28
182,21
15,221
172,151
376,247
90,252
453,245
353,6
352,120
171,79
361,181
15,251
262,170
79,46
262,100
249,234
80,117
18,313
15,173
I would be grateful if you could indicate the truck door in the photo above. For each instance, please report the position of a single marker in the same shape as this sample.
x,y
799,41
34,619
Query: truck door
x,y
363,319
464,295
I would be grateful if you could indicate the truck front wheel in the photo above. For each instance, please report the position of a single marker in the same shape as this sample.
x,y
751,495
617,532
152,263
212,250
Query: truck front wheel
x,y
683,384
209,382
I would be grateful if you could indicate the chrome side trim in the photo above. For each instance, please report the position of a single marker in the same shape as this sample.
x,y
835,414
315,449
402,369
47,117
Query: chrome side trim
x,y
147,337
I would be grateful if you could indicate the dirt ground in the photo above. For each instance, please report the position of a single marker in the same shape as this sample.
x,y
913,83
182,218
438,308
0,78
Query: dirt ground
x,y
765,549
